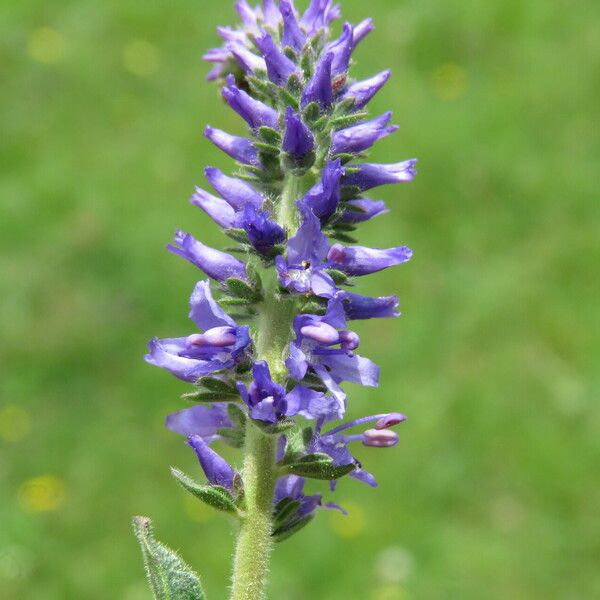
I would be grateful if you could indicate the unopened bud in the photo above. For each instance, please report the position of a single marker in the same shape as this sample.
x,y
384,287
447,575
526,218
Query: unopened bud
x,y
380,438
322,333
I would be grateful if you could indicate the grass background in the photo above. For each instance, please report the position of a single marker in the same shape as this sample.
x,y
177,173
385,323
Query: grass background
x,y
495,488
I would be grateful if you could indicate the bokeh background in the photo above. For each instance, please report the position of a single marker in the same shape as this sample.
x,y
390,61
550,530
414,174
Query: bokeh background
x,y
494,491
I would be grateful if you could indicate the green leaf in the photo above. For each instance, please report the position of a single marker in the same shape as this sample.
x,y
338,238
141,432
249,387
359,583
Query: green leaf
x,y
232,437
348,121
289,529
218,385
269,135
285,510
170,578
236,415
214,495
201,396
339,277
267,148
289,99
318,466
276,428
343,237
312,113
240,289
238,235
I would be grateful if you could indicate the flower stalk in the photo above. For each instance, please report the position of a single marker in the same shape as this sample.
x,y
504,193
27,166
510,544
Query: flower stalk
x,y
275,344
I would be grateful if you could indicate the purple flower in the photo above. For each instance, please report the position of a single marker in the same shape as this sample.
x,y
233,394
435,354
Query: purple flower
x,y
236,192
363,307
216,264
239,148
200,420
362,30
250,62
363,91
369,175
335,443
298,140
292,487
262,233
254,112
217,469
319,88
320,13
359,260
292,36
217,209
342,50
222,345
303,269
363,209
362,136
323,199
268,401
279,66
315,347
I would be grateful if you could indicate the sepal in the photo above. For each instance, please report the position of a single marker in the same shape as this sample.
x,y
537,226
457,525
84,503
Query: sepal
x,y
170,578
286,521
318,466
216,496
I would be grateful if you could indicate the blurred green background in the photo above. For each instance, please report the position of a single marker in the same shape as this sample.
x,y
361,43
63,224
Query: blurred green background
x,y
494,491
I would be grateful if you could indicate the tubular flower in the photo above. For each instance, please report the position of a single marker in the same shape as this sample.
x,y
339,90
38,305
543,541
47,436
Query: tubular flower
x,y
274,346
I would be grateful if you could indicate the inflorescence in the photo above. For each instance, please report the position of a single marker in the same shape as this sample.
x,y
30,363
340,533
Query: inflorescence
x,y
274,344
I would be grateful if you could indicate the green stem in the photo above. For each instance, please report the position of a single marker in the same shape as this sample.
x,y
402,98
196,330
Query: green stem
x,y
254,545
273,335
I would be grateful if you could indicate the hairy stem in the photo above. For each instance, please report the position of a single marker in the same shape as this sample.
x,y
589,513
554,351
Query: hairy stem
x,y
273,335
254,545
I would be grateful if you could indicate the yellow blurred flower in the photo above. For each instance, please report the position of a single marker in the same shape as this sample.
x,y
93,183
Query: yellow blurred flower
x,y
350,526
42,494
389,592
141,58
450,81
46,45
15,423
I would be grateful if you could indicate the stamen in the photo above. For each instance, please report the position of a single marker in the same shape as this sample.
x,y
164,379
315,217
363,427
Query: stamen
x,y
350,340
218,336
322,333
390,420
384,438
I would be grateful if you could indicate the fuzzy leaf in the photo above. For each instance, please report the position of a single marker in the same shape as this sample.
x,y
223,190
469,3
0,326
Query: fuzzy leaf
x,y
276,428
285,510
201,396
170,578
269,135
240,289
289,529
236,415
218,385
232,437
318,466
214,495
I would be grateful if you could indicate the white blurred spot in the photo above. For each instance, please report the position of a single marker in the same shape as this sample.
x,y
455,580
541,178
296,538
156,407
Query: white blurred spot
x,y
394,565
